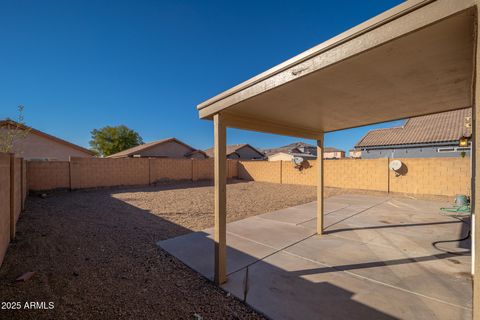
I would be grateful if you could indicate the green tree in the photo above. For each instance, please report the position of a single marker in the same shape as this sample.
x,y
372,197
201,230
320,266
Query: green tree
x,y
13,132
109,140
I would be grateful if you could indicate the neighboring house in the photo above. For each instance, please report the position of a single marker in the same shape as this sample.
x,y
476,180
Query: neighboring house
x,y
355,154
240,151
38,145
167,148
435,135
333,153
296,149
302,150
282,156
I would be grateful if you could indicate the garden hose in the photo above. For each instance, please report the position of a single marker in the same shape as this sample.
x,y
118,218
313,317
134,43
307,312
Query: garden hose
x,y
463,210
457,212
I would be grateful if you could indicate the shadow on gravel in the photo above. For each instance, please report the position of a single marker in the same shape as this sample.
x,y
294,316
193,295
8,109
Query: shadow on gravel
x,y
96,257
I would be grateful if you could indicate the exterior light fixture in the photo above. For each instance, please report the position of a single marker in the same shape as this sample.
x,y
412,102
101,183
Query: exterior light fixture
x,y
463,142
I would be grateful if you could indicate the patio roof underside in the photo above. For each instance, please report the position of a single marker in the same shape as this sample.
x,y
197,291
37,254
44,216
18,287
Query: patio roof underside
x,y
416,64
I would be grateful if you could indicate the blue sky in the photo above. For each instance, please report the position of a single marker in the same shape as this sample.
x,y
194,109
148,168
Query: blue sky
x,y
80,65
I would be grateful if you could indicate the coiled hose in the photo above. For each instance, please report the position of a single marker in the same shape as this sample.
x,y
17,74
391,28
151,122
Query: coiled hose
x,y
459,213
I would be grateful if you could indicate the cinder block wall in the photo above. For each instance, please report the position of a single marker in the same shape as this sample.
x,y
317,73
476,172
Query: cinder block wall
x,y
429,176
202,169
433,176
357,174
170,169
98,172
82,173
17,190
265,171
426,176
338,173
24,183
4,204
13,187
48,175
232,169
306,176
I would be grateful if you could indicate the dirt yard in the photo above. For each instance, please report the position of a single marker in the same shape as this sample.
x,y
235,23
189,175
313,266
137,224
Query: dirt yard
x,y
95,256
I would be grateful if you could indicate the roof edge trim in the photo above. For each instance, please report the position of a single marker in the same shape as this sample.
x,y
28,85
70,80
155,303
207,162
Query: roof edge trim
x,y
372,23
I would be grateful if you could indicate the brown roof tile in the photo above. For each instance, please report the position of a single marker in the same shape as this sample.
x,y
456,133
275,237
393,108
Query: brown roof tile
x,y
288,148
292,147
439,127
231,149
134,150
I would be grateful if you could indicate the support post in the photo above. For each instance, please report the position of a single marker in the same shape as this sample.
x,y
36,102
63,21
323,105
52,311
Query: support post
x,y
320,203
475,221
475,186
476,208
475,226
220,158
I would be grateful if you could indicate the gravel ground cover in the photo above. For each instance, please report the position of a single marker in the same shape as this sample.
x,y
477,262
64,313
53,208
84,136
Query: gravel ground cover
x,y
95,256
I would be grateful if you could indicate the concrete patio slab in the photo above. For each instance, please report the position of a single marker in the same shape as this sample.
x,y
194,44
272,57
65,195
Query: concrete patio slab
x,y
302,213
292,215
285,286
358,199
196,251
377,261
388,265
271,233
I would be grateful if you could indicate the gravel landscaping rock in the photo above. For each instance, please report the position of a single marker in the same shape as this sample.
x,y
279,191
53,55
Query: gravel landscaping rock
x,y
94,252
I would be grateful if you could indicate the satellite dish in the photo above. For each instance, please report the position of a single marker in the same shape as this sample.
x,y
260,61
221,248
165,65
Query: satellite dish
x,y
297,161
395,165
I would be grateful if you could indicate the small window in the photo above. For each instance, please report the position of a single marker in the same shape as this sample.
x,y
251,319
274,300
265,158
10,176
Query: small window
x,y
463,149
450,149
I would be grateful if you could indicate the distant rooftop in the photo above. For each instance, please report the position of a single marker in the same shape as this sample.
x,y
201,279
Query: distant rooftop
x,y
434,128
293,147
332,149
142,147
232,148
12,123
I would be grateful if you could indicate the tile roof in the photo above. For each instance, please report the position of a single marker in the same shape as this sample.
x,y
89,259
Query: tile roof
x,y
439,127
191,153
291,148
288,148
134,150
231,149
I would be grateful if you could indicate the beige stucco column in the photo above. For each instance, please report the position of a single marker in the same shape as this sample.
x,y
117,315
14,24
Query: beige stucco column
x,y
220,182
475,231
320,170
476,206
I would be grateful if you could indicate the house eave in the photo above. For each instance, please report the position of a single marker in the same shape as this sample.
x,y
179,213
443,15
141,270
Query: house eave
x,y
409,145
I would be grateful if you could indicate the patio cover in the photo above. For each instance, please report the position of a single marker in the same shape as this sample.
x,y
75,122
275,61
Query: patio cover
x,y
418,58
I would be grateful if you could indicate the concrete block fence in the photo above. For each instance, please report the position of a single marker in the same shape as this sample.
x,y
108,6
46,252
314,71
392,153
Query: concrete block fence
x,y
429,176
425,176
81,173
13,193
420,176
